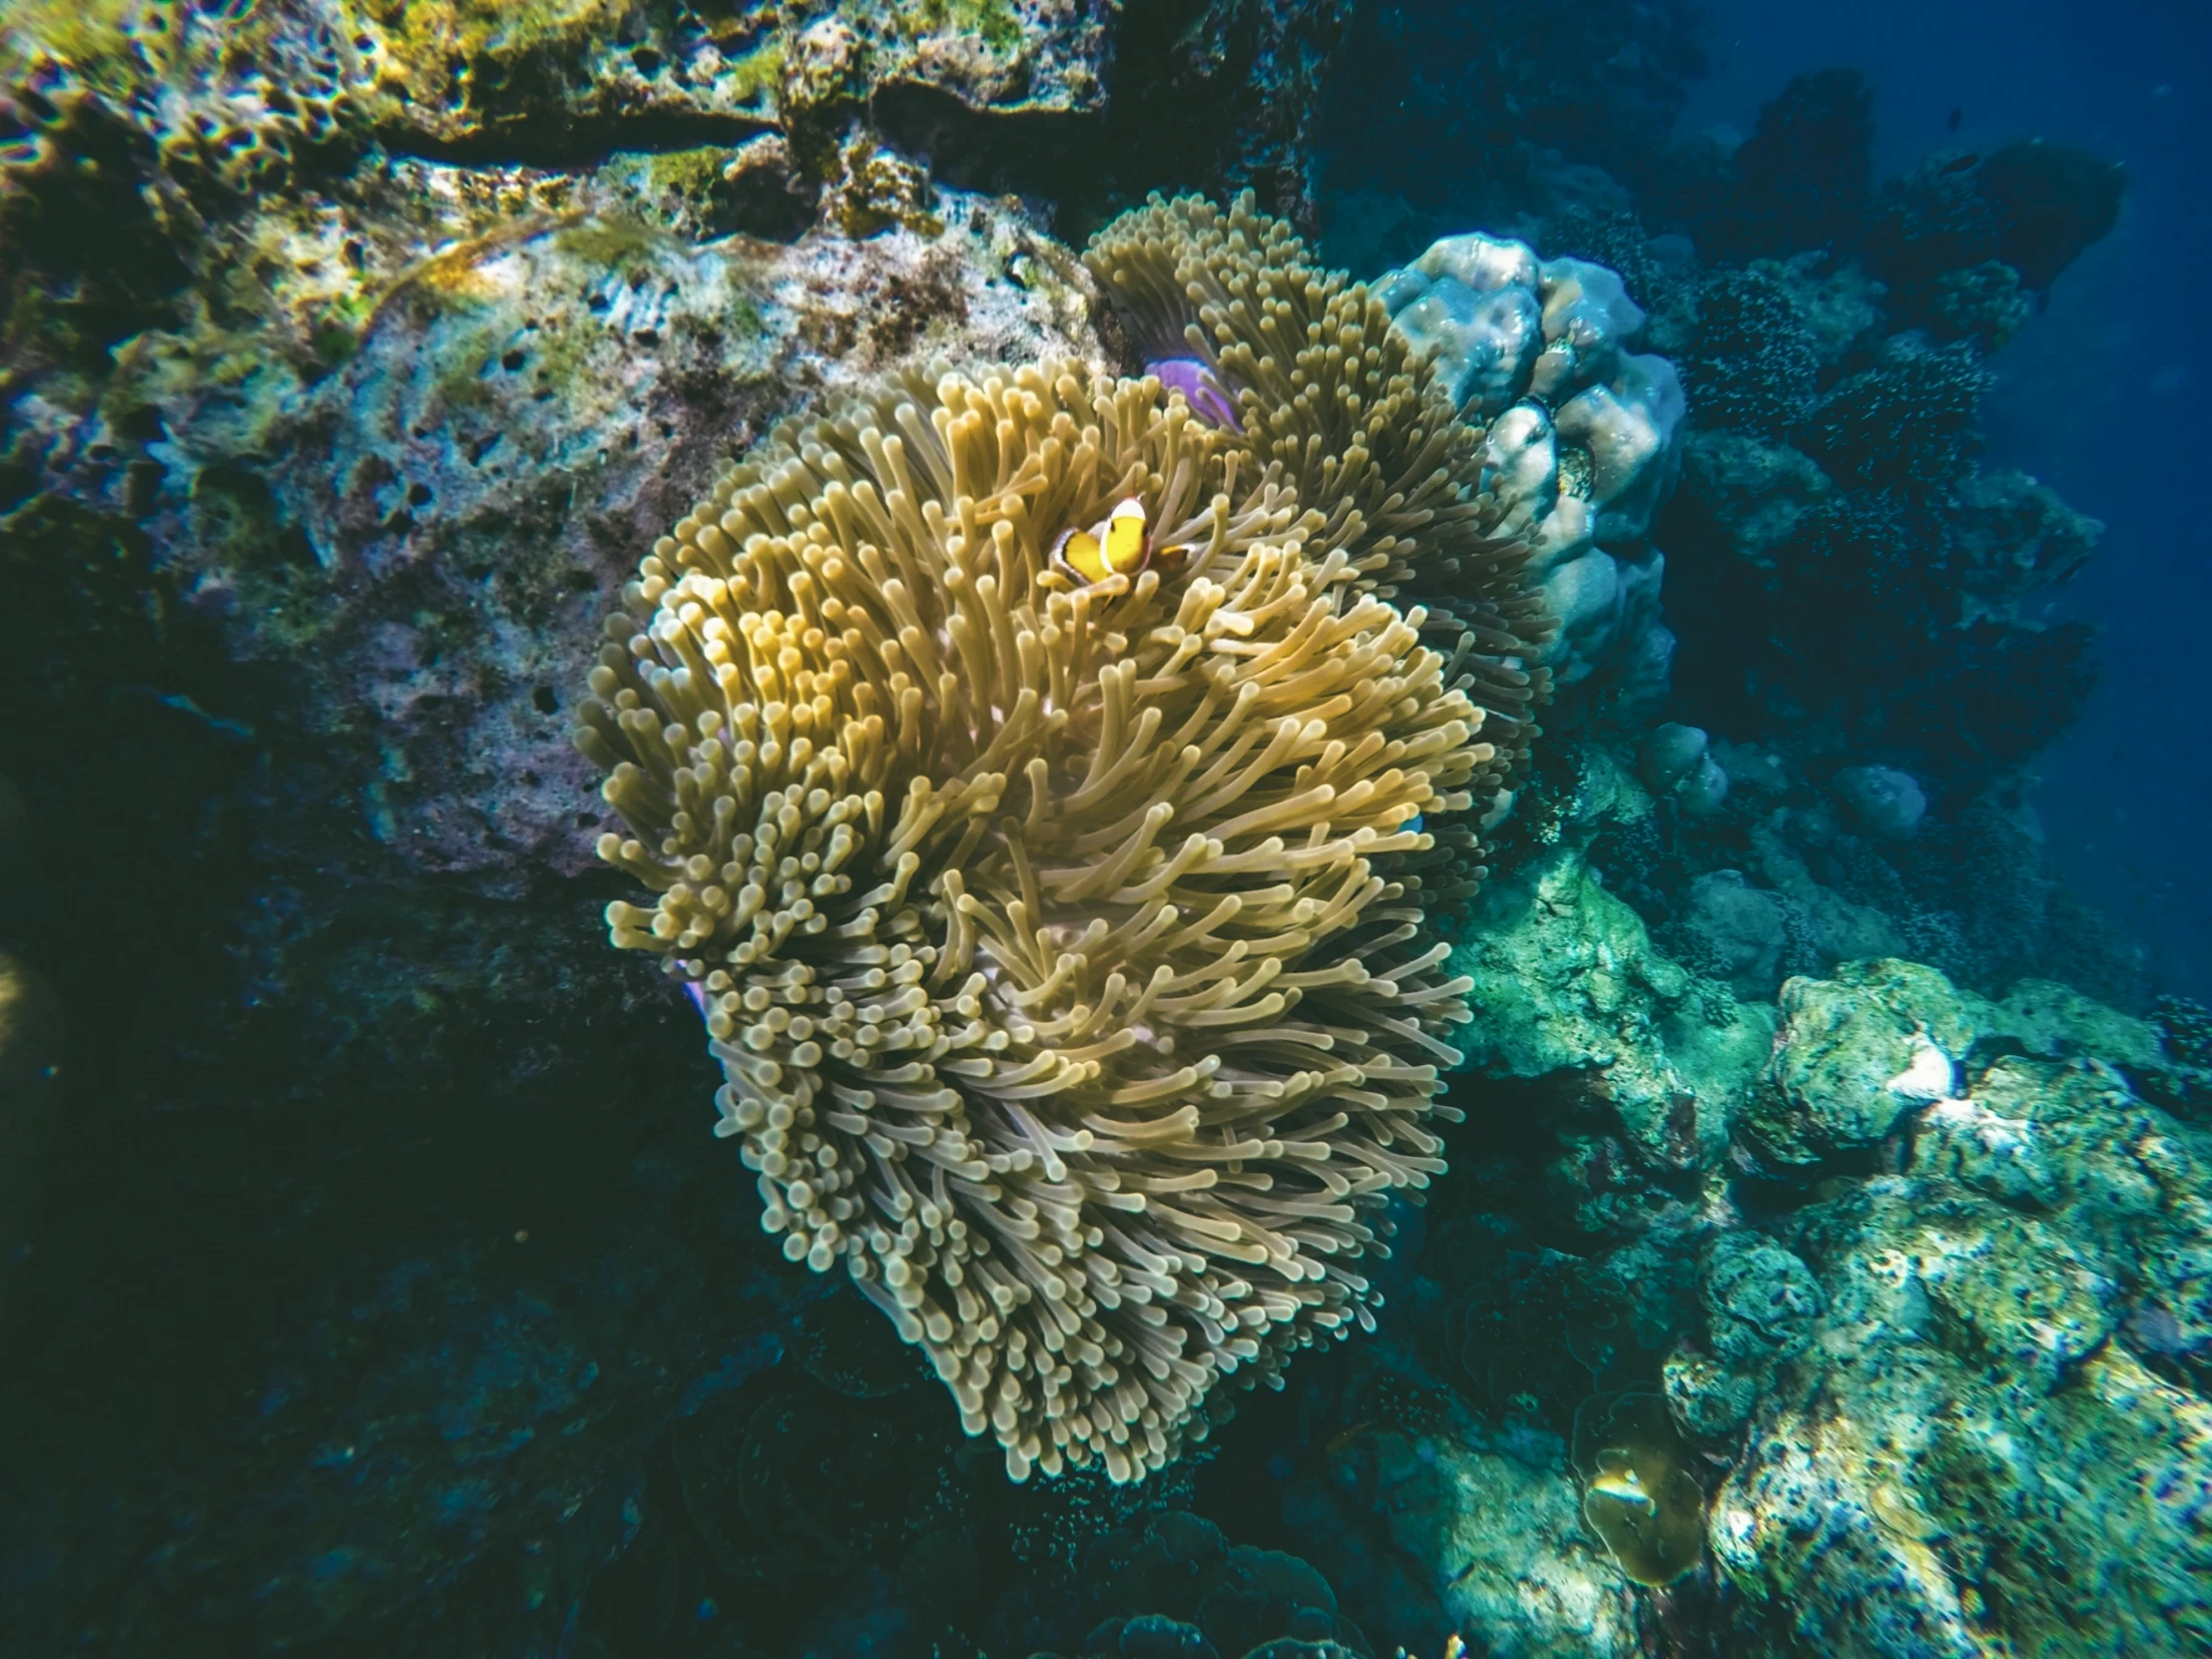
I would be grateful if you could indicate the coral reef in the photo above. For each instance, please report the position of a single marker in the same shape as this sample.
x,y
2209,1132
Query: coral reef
x,y
2031,206
1821,1261
1751,367
1864,1355
1884,555
1432,1520
1805,177
1583,436
323,444
1327,389
1911,422
1995,1439
1568,988
463,75
1853,1055
1888,804
1236,81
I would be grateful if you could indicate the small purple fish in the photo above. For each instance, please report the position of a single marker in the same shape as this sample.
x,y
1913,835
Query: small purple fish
x,y
698,994
1201,388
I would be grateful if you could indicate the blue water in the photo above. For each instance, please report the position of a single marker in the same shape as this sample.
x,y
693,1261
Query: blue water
x,y
2103,397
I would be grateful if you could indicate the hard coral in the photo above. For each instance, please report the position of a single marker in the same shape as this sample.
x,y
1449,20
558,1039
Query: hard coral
x,y
1637,1492
1805,177
1911,421
1752,365
1583,442
1047,931
198,88
2035,207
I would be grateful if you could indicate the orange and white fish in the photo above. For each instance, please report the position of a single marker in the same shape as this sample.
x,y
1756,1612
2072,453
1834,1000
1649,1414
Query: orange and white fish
x,y
1116,545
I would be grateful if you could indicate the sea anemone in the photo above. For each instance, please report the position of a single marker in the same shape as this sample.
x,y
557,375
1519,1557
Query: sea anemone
x,y
1322,385
1035,783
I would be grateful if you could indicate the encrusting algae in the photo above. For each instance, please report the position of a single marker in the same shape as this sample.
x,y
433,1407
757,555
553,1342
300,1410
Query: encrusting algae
x,y
1056,910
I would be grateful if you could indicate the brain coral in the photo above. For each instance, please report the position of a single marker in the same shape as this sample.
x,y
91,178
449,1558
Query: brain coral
x,y
1061,941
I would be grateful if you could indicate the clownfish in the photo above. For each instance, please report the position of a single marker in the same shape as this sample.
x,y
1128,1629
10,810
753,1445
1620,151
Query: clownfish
x,y
1115,546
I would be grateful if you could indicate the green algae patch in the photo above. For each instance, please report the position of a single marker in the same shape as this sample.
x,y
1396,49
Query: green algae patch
x,y
1637,1492
614,243
991,21
84,33
753,79
691,174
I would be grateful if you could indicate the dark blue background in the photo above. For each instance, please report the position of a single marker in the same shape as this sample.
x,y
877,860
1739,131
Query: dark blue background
x,y
2103,397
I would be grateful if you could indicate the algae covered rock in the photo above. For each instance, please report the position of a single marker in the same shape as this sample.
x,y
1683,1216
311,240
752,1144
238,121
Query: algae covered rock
x,y
1852,1054
465,72
1760,1301
1436,1522
1760,1305
1997,1441
1740,929
465,492
2053,1021
1568,985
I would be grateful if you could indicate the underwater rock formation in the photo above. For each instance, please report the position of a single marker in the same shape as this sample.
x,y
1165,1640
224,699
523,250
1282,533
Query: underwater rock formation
x,y
1998,1438
1805,177
1853,1055
1584,434
2029,1281
1866,554
1224,97
1890,804
1760,1305
1567,987
280,94
2031,206
1433,1521
1173,1588
1676,763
